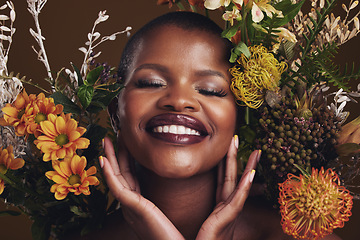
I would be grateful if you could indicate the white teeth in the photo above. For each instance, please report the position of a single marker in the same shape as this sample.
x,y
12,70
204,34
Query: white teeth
x,y
176,129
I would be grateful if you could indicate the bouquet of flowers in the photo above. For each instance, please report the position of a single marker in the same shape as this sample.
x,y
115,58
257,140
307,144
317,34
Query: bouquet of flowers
x,y
50,145
282,71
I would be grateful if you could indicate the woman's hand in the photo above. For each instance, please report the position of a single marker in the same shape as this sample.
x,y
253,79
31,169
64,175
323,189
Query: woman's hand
x,y
230,198
147,221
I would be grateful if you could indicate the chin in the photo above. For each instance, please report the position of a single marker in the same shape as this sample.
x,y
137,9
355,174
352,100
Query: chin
x,y
176,169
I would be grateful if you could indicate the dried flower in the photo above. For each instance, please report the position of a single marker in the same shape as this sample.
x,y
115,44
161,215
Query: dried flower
x,y
262,71
312,206
61,138
70,176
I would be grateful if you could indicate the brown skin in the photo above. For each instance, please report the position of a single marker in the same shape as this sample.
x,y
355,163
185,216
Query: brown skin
x,y
188,191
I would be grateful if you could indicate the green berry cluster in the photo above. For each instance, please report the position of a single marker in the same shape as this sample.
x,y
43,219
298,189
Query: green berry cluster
x,y
288,138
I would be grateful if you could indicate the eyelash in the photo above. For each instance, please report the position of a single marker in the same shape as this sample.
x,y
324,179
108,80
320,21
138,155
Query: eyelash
x,y
212,92
144,83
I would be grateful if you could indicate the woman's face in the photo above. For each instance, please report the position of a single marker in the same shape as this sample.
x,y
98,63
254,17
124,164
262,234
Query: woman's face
x,y
177,114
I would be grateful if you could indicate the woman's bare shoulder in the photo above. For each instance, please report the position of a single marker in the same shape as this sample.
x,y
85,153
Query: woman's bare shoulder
x,y
259,220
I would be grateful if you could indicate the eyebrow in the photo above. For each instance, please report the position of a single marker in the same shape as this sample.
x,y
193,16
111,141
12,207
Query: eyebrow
x,y
209,72
157,67
200,73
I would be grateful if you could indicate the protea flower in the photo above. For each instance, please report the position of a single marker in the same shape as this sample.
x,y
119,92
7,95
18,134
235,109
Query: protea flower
x,y
253,76
311,206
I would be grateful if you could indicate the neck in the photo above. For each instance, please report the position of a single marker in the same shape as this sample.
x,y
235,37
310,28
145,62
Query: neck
x,y
186,202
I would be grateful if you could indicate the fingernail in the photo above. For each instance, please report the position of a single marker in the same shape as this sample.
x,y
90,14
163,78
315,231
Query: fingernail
x,y
101,161
236,141
251,175
258,156
103,143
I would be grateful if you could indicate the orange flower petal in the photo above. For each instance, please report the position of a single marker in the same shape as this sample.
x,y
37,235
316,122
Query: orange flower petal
x,y
48,128
60,125
91,171
16,163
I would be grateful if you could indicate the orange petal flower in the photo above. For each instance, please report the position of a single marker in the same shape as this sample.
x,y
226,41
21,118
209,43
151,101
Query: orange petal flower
x,y
7,161
61,138
17,113
70,176
42,108
312,206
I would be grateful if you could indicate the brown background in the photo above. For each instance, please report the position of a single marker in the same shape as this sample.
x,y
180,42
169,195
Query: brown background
x,y
65,25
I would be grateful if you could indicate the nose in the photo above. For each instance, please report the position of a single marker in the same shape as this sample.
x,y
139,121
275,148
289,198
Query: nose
x,y
179,99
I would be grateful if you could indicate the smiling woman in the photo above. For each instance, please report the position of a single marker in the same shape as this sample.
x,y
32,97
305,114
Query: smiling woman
x,y
175,169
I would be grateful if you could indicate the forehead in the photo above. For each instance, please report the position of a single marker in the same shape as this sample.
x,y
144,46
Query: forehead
x,y
171,43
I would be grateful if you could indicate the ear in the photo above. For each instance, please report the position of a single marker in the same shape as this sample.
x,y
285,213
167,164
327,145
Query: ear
x,y
112,111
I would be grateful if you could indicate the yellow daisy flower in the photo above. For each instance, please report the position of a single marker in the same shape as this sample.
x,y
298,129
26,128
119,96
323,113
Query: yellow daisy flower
x,y
7,161
17,113
61,138
70,176
42,108
253,76
312,206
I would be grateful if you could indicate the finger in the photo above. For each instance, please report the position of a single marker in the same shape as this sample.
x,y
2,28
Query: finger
x,y
230,169
126,164
110,154
242,190
253,161
116,185
113,162
220,181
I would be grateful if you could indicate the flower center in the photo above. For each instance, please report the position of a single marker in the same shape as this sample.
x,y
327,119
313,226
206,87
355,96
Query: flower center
x,y
39,118
74,179
3,169
21,113
61,140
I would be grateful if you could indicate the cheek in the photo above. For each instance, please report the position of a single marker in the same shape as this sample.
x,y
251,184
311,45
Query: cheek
x,y
224,116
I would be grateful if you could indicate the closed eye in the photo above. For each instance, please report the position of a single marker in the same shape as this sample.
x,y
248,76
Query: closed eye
x,y
146,83
212,92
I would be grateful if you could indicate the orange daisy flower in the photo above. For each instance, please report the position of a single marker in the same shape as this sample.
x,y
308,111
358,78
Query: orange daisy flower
x,y
70,176
17,113
7,161
61,138
42,108
312,206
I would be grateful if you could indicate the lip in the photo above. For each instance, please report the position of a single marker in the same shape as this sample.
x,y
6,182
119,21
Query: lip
x,y
177,119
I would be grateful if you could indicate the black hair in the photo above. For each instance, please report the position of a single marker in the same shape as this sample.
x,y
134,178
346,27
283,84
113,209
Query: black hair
x,y
184,20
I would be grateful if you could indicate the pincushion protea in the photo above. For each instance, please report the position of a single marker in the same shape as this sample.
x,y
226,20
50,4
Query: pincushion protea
x,y
311,206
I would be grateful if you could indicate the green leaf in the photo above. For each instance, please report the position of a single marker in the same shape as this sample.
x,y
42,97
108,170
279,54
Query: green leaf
x,y
85,94
289,11
93,76
69,106
40,229
80,80
230,32
9,213
95,133
242,48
